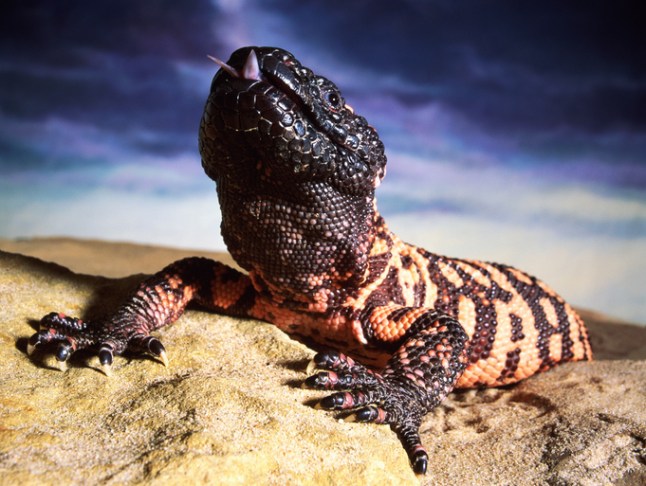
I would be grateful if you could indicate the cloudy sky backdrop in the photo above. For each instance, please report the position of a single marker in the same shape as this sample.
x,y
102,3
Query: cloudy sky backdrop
x,y
515,131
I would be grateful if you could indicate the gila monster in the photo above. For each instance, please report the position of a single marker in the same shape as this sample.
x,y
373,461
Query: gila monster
x,y
296,170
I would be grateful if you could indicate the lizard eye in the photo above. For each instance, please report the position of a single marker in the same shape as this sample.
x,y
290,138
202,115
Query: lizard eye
x,y
333,100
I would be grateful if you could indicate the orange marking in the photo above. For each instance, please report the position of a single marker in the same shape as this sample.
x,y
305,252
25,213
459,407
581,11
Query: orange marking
x,y
548,290
225,296
484,372
556,346
579,348
529,362
450,273
467,315
379,247
550,312
188,293
389,330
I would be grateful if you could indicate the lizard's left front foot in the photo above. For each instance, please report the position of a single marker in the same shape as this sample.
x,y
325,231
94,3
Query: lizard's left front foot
x,y
109,336
396,397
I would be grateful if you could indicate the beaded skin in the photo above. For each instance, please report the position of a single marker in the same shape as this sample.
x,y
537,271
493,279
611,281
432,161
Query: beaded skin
x,y
296,170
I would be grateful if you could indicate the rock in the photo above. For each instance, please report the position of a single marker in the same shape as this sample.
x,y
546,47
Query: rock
x,y
229,409
103,258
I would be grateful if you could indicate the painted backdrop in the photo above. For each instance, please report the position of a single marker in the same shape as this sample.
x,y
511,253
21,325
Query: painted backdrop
x,y
515,131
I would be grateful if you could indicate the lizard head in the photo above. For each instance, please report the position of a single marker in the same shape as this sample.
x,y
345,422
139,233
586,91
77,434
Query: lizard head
x,y
288,125
295,169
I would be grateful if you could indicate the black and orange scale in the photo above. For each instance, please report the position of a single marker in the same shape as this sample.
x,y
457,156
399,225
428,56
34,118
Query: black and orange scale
x,y
296,171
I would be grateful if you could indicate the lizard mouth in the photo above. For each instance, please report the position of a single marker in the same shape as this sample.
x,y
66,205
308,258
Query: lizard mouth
x,y
250,70
255,75
278,72
285,75
274,71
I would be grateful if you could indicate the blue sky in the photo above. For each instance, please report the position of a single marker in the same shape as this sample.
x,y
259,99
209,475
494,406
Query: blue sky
x,y
515,131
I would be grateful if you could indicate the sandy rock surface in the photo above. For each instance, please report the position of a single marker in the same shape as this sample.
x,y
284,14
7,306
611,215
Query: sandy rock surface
x,y
230,410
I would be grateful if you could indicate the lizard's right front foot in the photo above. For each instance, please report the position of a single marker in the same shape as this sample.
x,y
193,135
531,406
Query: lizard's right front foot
x,y
390,398
109,337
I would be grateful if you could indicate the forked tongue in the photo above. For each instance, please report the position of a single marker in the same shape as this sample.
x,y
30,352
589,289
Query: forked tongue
x,y
250,70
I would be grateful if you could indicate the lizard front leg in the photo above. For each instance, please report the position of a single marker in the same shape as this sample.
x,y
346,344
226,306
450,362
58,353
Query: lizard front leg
x,y
430,355
158,301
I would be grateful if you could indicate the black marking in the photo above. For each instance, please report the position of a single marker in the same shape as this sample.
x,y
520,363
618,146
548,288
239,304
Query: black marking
x,y
406,261
516,328
563,329
511,365
244,303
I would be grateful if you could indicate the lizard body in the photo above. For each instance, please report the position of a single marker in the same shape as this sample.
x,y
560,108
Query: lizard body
x,y
296,171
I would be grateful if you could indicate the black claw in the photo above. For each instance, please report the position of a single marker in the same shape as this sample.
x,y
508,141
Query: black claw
x,y
368,414
324,380
63,352
33,342
332,402
420,462
326,359
313,381
156,347
49,319
105,356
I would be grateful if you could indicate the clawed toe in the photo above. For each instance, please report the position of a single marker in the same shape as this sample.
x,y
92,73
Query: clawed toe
x,y
106,356
340,372
408,432
330,360
63,353
329,380
337,401
156,348
34,342
66,347
420,462
371,413
349,400
151,345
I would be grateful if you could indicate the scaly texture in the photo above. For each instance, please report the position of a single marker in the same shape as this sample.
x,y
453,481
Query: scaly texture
x,y
296,170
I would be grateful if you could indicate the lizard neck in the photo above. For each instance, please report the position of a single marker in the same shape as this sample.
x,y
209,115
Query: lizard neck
x,y
314,251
